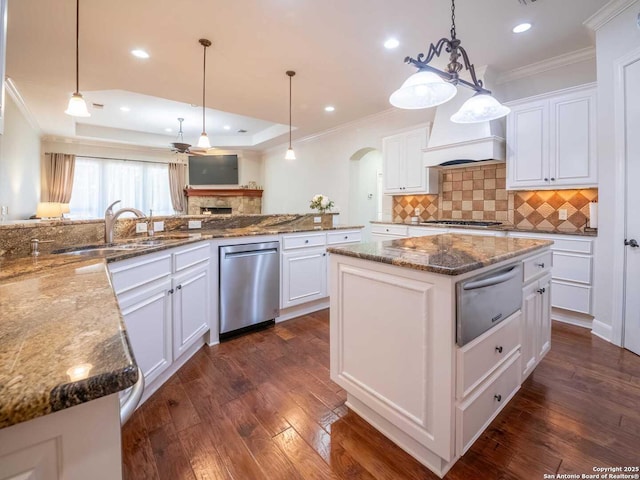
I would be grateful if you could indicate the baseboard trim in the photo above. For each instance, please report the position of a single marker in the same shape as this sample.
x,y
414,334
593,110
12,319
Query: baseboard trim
x,y
304,309
572,318
602,330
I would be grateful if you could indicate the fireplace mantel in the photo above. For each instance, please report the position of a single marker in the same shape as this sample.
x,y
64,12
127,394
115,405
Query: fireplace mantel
x,y
222,192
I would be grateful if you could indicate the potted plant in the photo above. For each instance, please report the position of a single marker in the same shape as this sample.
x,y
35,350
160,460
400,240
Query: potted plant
x,y
322,203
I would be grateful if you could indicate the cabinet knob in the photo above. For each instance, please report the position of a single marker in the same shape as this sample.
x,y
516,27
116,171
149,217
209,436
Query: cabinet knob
x,y
306,241
499,349
498,397
541,265
346,237
542,290
546,179
553,179
171,291
179,287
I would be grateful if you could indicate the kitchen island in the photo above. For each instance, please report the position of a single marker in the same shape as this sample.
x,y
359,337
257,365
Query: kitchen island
x,y
394,345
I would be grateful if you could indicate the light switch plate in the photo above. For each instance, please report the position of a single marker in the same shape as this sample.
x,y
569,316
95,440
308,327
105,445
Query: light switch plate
x,y
317,219
158,226
141,228
562,214
195,224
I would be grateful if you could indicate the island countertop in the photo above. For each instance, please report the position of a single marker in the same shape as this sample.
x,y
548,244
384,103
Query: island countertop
x,y
62,341
444,254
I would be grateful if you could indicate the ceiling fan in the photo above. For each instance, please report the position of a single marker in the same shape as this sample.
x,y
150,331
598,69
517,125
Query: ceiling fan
x,y
180,146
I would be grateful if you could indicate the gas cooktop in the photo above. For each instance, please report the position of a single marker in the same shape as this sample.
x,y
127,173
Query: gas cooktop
x,y
462,223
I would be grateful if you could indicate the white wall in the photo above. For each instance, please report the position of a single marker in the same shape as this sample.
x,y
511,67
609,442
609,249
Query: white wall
x,y
556,79
615,39
323,164
19,163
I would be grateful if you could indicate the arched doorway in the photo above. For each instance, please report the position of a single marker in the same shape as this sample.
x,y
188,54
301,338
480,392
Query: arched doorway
x,y
365,189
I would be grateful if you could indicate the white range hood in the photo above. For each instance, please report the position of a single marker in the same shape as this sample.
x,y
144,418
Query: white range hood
x,y
454,141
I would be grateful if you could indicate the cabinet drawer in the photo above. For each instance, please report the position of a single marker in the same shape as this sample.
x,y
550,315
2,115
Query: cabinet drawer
x,y
478,359
290,242
351,236
572,245
425,231
397,230
535,266
140,271
192,255
571,297
573,268
473,416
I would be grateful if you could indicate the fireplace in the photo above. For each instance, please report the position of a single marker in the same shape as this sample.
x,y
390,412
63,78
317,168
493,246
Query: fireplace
x,y
223,201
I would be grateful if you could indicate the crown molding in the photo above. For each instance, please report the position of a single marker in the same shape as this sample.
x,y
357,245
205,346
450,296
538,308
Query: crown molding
x,y
103,144
552,63
14,93
607,13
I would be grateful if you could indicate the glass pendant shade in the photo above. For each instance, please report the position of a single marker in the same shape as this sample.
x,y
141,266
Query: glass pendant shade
x,y
203,141
480,108
422,90
77,106
291,155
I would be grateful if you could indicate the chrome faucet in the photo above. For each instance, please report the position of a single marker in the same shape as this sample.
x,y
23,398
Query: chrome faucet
x,y
110,219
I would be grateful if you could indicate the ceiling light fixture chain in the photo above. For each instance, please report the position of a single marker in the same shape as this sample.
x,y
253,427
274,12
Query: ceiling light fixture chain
x,y
290,155
430,86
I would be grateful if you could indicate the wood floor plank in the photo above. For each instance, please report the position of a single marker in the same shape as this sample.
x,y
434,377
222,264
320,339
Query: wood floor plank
x,y
262,406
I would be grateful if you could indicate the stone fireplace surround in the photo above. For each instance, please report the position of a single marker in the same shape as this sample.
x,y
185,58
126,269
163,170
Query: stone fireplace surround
x,y
240,201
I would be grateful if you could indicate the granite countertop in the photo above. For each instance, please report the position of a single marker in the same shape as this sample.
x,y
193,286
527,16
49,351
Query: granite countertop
x,y
59,313
500,228
444,254
62,341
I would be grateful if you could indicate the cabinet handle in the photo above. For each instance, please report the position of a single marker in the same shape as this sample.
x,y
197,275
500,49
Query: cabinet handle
x,y
553,179
541,265
171,291
306,241
542,290
499,349
498,397
179,287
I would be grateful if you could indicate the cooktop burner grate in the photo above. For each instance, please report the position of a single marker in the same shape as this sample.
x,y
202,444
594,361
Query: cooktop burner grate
x,y
462,223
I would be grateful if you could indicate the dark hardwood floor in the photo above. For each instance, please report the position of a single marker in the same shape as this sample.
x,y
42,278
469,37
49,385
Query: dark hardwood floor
x,y
262,407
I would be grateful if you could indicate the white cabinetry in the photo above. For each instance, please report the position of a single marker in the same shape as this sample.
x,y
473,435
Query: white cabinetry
x,y
387,231
551,140
536,312
165,300
404,170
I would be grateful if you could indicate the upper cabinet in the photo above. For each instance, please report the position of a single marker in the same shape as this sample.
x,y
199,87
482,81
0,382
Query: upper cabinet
x,y
404,170
551,141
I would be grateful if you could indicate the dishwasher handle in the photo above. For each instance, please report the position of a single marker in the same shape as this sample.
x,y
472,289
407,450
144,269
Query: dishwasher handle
x,y
252,253
503,276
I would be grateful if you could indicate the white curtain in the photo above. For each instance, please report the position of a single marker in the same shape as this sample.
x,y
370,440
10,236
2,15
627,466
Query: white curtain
x,y
97,183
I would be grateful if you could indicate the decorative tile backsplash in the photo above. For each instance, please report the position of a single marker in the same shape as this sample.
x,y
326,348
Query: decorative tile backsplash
x,y
479,193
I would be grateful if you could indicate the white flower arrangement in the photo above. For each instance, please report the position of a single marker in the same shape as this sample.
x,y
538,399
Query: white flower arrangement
x,y
322,203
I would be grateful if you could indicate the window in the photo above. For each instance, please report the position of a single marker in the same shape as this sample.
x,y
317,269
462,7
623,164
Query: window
x,y
97,183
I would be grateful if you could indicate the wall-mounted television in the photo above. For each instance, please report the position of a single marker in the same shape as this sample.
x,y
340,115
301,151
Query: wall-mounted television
x,y
213,170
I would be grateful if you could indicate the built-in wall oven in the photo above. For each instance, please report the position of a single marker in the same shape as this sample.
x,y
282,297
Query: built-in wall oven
x,y
487,299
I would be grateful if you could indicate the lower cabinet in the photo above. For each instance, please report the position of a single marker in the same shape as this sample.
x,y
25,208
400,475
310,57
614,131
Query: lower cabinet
x,y
304,276
191,307
536,322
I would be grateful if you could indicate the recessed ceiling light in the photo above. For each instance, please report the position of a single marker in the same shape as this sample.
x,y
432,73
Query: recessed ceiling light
x,y
227,127
329,108
139,53
523,27
391,43
168,130
125,109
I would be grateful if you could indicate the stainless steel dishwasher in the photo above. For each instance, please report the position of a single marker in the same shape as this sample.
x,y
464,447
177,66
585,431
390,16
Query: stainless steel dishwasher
x,y
249,286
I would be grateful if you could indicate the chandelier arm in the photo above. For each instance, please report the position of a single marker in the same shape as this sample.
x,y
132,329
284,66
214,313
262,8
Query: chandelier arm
x,y
435,50
478,84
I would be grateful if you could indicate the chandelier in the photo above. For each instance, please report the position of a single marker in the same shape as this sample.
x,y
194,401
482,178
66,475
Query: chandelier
x,y
430,87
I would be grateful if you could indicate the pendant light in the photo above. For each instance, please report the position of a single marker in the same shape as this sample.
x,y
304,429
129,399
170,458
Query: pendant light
x,y
203,141
430,86
291,155
77,106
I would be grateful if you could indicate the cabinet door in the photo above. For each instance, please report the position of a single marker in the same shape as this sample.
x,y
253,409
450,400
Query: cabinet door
x,y
414,171
191,307
530,321
148,321
304,276
528,146
573,139
544,325
393,164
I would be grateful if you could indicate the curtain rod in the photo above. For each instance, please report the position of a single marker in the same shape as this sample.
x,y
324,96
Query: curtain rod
x,y
119,159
